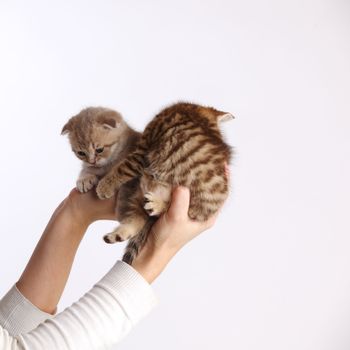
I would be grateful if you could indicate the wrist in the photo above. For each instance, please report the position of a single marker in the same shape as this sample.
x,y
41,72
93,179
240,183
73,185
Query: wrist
x,y
151,262
70,220
75,214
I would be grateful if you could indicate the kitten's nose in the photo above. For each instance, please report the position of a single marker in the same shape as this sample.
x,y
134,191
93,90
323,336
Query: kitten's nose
x,y
92,161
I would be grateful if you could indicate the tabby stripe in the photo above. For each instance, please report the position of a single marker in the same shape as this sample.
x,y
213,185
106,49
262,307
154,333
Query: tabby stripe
x,y
209,175
148,133
160,125
192,127
138,159
196,133
131,167
180,144
142,144
217,148
126,172
194,150
216,187
224,189
151,130
205,160
184,140
181,123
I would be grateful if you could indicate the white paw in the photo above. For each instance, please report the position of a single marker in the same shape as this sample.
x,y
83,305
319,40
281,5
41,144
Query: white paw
x,y
153,205
86,183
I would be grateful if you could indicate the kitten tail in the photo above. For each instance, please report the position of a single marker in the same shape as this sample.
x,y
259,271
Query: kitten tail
x,y
137,242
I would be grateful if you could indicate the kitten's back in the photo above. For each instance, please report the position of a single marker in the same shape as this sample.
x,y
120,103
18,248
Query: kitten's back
x,y
185,136
186,147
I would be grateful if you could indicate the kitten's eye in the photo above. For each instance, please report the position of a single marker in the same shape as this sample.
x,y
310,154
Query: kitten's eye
x,y
81,153
99,150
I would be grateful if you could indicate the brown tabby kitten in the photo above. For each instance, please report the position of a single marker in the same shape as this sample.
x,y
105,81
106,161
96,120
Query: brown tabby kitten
x,y
182,145
101,138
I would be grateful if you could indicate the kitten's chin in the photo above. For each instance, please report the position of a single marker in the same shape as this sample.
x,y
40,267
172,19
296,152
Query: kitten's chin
x,y
101,163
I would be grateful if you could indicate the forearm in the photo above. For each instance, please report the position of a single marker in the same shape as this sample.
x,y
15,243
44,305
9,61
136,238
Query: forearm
x,y
47,271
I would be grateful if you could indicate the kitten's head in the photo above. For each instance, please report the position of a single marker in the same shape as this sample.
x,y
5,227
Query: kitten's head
x,y
94,134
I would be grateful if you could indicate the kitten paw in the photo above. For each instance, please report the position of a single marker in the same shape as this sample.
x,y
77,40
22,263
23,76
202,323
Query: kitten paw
x,y
105,188
122,233
154,205
86,183
112,238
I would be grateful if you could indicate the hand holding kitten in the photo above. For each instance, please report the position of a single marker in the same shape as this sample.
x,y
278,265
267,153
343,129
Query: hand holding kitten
x,y
88,208
169,234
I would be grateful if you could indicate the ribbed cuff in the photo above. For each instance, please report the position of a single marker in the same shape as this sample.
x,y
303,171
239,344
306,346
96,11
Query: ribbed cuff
x,y
18,315
132,291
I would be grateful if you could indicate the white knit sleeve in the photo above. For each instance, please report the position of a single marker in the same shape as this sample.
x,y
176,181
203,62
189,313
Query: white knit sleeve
x,y
97,321
18,315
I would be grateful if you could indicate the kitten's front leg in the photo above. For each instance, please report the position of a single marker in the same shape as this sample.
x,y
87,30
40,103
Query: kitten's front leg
x,y
107,186
86,181
129,168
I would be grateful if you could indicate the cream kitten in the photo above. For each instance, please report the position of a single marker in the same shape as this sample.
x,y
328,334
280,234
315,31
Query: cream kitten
x,y
100,138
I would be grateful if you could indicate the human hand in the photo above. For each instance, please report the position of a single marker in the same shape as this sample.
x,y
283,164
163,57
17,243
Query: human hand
x,y
169,234
175,228
87,207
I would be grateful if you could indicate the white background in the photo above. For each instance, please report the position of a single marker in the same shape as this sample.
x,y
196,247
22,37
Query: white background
x,y
274,273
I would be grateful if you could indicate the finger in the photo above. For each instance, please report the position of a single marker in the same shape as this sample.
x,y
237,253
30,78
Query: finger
x,y
180,201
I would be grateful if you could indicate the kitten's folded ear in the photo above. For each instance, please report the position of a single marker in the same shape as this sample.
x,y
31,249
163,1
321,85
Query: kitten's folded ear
x,y
67,128
109,123
225,117
110,120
